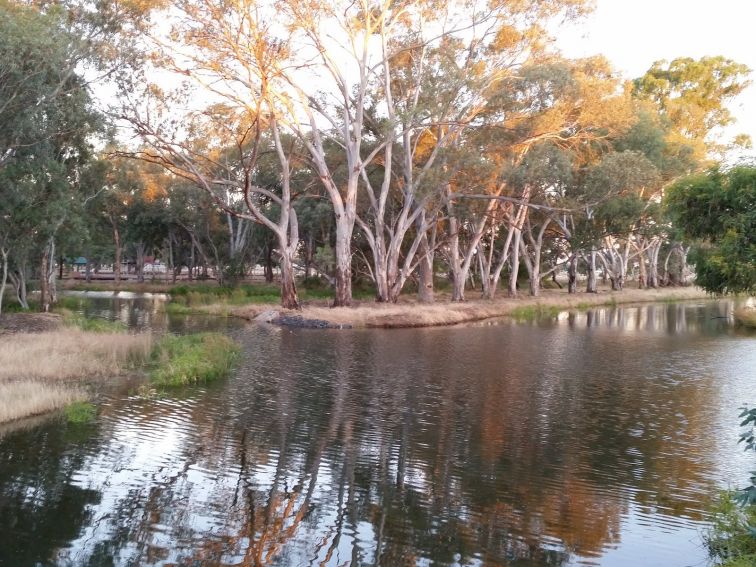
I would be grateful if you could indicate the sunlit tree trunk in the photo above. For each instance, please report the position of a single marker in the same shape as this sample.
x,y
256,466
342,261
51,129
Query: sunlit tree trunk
x,y
514,272
425,289
642,275
653,264
289,298
47,289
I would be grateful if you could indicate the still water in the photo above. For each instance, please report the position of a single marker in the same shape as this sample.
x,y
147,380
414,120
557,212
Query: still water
x,y
598,438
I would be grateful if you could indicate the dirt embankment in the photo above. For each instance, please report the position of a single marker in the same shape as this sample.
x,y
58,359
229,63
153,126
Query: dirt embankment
x,y
409,313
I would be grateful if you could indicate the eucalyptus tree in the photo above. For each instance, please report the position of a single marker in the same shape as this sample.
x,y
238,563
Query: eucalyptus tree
x,y
267,56
38,57
224,154
692,97
554,107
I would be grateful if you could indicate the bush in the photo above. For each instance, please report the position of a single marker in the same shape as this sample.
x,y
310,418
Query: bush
x,y
192,359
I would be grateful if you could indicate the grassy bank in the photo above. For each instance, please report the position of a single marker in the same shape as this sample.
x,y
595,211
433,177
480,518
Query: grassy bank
x,y
409,313
49,361
25,398
191,359
41,372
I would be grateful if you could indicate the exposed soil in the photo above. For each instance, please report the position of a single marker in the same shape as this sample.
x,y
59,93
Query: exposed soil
x,y
409,313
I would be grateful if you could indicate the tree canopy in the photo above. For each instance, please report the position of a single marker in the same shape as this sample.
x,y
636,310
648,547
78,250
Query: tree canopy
x,y
718,209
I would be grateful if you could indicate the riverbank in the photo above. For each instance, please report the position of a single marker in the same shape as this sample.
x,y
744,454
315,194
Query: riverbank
x,y
409,313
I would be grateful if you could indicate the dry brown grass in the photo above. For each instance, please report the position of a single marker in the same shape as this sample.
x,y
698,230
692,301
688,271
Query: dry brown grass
x,y
409,313
37,370
69,354
27,398
746,316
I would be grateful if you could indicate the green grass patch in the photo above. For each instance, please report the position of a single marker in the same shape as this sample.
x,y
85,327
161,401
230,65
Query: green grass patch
x,y
93,325
537,311
10,305
192,359
80,412
732,538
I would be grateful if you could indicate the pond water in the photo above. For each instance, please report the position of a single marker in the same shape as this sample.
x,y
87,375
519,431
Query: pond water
x,y
598,438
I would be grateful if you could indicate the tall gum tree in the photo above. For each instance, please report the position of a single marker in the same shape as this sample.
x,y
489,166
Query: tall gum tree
x,y
566,105
346,48
223,159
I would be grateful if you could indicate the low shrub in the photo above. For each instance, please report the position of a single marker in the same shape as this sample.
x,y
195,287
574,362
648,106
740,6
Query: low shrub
x,y
732,538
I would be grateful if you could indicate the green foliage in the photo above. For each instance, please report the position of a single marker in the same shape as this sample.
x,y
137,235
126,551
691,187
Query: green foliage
x,y
80,412
192,359
719,210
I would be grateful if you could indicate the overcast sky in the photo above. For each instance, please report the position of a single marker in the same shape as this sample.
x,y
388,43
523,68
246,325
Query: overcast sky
x,y
635,33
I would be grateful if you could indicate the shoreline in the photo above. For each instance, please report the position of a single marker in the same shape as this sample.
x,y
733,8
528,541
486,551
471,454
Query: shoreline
x,y
411,314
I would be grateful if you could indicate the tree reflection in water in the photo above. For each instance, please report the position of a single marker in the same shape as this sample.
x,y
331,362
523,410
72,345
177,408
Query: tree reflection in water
x,y
529,444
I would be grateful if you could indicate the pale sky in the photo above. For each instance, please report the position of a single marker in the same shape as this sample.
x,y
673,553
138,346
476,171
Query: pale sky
x,y
633,34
